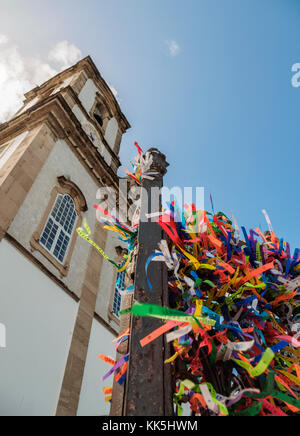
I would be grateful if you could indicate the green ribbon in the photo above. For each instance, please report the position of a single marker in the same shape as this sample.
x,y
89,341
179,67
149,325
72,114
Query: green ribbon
x,y
250,411
262,365
155,311
196,388
269,391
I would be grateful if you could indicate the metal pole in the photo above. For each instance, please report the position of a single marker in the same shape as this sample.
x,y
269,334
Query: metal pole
x,y
148,386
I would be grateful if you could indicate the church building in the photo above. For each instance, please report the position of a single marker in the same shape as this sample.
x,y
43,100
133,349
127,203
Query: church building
x,y
58,297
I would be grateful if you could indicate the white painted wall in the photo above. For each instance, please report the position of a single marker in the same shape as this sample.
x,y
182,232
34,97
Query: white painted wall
x,y
12,148
62,161
92,399
87,97
107,156
88,128
111,132
88,94
39,319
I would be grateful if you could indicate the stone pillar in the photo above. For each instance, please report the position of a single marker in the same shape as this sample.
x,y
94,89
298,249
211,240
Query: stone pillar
x,y
148,387
20,171
72,381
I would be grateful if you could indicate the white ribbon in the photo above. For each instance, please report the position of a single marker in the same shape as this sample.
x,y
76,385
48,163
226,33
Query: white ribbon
x,y
293,284
179,333
208,399
237,229
268,220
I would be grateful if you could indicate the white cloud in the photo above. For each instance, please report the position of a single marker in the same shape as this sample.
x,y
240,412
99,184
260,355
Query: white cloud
x,y
65,54
19,74
115,93
113,90
3,39
173,47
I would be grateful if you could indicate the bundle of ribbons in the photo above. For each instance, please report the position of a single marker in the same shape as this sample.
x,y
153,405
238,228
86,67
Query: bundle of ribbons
x,y
233,318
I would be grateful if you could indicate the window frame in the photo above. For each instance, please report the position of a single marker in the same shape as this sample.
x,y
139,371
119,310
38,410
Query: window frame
x,y
119,259
60,229
117,290
64,187
106,113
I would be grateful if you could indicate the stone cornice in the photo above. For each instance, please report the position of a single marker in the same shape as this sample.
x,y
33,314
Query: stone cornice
x,y
91,71
57,114
75,192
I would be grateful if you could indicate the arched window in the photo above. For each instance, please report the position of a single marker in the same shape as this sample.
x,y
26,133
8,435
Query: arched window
x,y
59,228
98,118
55,236
101,115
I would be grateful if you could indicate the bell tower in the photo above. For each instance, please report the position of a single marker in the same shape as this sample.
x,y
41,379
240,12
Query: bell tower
x,y
56,293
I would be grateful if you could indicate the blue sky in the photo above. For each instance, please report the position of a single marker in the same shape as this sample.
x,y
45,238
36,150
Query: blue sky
x,y
222,107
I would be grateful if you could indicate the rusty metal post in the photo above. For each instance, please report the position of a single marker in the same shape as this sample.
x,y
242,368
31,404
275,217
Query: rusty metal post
x,y
148,386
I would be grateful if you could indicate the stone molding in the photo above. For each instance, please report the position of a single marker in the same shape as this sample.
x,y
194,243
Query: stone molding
x,y
58,116
74,371
65,187
85,65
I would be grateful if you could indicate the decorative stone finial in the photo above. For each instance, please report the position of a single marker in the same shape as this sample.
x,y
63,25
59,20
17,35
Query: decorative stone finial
x,y
159,164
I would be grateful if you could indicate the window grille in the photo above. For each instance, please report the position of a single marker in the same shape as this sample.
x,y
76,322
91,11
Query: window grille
x,y
120,286
59,227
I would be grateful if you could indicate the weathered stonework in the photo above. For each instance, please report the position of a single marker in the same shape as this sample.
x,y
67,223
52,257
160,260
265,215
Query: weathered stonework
x,y
19,173
70,391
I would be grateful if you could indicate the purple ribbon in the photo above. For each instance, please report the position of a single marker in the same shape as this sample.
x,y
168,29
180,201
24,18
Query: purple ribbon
x,y
117,365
